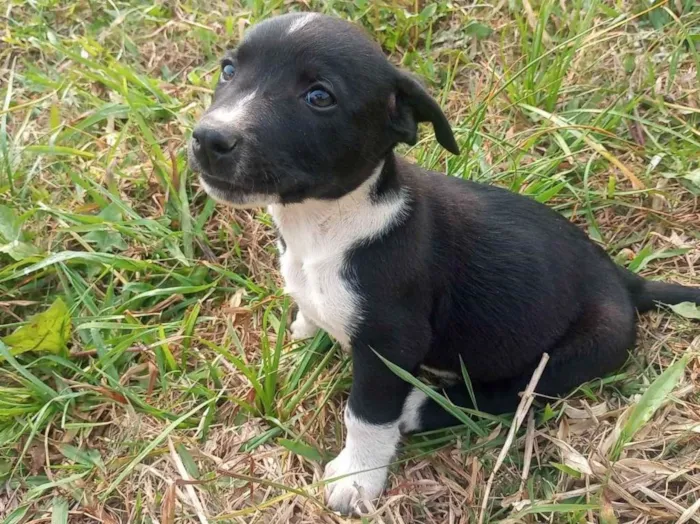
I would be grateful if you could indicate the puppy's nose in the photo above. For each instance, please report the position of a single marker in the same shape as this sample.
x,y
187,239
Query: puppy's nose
x,y
214,144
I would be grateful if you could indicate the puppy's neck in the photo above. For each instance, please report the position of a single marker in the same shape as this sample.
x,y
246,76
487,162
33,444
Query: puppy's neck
x,y
314,226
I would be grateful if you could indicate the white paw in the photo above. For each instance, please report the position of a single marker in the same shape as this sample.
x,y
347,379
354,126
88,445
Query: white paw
x,y
302,328
353,494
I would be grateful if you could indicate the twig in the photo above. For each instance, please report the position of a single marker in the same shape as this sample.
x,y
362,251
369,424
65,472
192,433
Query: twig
x,y
529,446
670,505
524,406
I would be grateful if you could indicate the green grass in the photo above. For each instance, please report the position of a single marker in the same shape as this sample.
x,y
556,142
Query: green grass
x,y
175,352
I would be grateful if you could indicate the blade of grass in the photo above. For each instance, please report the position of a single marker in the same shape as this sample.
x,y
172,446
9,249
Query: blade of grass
x,y
656,395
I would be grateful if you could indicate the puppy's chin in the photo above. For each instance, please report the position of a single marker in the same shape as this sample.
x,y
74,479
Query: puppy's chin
x,y
238,200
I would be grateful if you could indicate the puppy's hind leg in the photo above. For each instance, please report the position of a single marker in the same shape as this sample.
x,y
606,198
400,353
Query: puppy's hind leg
x,y
423,414
596,344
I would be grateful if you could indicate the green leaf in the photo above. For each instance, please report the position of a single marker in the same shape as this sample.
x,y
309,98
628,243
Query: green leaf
x,y
89,458
5,469
428,12
478,31
47,331
653,398
59,511
687,310
16,516
566,469
548,413
645,256
187,461
11,238
19,250
106,241
694,177
10,225
301,449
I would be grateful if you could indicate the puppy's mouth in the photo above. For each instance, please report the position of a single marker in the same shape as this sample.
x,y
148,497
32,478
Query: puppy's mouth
x,y
226,186
225,190
234,194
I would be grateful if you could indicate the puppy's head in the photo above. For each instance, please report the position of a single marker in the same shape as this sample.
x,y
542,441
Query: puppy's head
x,y
306,107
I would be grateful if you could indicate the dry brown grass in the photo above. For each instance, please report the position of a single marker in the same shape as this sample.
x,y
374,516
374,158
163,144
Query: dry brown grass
x,y
567,459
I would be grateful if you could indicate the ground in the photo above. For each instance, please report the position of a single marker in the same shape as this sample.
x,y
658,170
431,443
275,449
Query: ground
x,y
159,383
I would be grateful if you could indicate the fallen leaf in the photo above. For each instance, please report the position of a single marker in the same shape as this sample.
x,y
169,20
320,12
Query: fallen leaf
x,y
637,132
110,393
597,411
167,507
607,515
570,457
47,331
576,461
687,310
645,466
37,456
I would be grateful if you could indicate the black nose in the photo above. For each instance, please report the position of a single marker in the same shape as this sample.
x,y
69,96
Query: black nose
x,y
212,145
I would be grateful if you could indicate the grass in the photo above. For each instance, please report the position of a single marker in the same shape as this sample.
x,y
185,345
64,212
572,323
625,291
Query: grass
x,y
162,386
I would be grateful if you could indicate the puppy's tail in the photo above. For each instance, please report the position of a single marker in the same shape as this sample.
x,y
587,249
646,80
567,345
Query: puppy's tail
x,y
646,294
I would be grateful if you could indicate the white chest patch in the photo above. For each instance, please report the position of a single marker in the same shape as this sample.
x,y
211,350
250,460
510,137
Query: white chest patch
x,y
319,235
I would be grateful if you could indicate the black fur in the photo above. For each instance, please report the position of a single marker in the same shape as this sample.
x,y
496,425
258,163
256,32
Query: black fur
x,y
497,279
471,272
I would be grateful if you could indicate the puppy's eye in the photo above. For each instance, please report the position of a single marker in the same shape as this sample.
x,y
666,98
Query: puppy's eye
x,y
319,97
227,71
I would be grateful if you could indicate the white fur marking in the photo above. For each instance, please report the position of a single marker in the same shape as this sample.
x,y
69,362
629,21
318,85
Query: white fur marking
x,y
410,415
302,327
300,22
368,451
231,116
318,235
243,201
444,374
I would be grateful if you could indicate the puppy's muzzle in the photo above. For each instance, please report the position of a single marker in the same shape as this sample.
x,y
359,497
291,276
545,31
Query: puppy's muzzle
x,y
214,146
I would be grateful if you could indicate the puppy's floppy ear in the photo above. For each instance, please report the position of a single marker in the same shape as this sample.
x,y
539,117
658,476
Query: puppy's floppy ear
x,y
412,104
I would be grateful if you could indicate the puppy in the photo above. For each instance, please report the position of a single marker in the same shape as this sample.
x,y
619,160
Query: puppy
x,y
391,259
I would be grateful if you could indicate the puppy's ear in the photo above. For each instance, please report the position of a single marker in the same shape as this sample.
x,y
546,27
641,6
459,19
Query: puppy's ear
x,y
412,104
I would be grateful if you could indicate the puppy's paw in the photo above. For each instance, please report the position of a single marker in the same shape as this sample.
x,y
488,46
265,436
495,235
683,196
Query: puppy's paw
x,y
302,328
353,494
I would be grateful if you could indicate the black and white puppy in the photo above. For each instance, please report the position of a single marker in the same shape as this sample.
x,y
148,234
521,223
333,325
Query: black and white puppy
x,y
422,268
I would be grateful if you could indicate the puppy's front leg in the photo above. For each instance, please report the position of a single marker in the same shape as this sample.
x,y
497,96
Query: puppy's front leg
x,y
302,327
374,422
